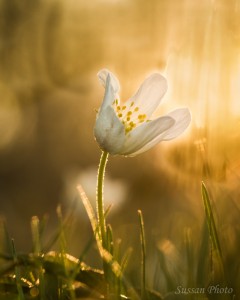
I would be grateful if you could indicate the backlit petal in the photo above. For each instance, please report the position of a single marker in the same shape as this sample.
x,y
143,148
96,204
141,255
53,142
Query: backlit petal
x,y
182,117
102,76
109,95
109,131
149,95
145,133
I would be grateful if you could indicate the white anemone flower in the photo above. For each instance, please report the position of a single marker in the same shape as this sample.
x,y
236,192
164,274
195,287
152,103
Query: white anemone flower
x,y
126,129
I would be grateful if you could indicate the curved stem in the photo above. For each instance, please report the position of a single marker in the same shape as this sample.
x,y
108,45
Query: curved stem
x,y
100,203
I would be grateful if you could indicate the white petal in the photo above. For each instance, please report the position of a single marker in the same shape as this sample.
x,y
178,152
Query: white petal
x,y
182,117
150,93
145,133
109,95
102,76
109,131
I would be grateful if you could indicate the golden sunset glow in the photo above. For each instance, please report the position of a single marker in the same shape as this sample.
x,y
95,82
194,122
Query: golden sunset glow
x,y
50,54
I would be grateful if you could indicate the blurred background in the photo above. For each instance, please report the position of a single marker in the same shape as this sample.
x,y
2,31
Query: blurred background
x,y
50,53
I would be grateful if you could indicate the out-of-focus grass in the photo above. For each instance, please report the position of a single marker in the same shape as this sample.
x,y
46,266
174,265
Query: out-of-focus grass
x,y
201,266
50,54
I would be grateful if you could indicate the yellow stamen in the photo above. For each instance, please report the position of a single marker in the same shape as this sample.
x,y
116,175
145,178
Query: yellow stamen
x,y
129,115
142,117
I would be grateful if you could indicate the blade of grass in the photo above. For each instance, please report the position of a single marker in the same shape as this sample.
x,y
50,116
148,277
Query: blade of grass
x,y
143,251
89,209
35,235
62,238
17,273
56,236
6,243
210,221
126,258
110,248
63,251
212,228
35,227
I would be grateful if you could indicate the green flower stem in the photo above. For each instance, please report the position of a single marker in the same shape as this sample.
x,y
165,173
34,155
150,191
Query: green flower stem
x,y
100,203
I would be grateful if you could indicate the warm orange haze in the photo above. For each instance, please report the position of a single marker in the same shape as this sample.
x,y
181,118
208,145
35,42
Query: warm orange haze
x,y
50,53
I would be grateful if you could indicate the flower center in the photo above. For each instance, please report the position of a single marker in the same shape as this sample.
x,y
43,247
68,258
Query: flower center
x,y
129,115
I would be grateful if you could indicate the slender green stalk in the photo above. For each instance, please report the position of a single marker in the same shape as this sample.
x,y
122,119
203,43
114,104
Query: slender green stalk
x,y
100,203
143,245
35,235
